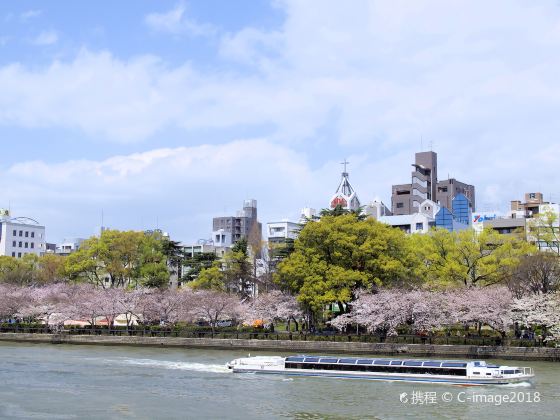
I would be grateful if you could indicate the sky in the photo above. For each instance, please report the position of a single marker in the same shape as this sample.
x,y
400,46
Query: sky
x,y
164,114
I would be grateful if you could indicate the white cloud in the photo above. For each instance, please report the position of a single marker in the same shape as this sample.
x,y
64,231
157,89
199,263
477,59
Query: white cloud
x,y
30,14
45,38
479,79
176,22
182,187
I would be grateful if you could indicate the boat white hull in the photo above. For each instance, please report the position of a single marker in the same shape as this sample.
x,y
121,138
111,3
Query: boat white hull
x,y
435,379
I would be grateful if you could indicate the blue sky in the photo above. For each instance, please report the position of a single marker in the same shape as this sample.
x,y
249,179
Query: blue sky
x,y
170,113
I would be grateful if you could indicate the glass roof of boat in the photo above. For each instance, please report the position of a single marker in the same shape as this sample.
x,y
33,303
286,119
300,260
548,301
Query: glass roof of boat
x,y
370,361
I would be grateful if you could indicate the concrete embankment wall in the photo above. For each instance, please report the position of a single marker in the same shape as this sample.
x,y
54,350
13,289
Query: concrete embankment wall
x,y
421,350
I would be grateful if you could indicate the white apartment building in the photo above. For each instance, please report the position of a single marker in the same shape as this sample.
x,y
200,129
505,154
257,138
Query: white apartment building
x,y
68,246
20,236
280,231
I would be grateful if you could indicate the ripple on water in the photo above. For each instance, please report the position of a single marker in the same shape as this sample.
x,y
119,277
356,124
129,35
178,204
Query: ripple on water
x,y
167,364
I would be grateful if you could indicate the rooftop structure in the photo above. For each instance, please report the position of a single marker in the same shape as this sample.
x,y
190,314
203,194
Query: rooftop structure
x,y
345,196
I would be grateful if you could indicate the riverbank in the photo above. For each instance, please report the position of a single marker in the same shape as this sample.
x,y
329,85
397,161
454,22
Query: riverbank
x,y
393,349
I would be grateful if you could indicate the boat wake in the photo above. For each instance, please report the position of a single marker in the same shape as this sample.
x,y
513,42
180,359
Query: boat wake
x,y
174,365
518,385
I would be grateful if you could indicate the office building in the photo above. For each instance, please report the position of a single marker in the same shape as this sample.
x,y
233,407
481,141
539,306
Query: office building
x,y
424,185
530,207
20,236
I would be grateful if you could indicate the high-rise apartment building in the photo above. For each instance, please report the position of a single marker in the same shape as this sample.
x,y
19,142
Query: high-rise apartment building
x,y
230,229
424,185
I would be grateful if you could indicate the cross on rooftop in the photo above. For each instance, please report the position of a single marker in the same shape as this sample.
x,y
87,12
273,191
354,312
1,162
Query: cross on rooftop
x,y
344,163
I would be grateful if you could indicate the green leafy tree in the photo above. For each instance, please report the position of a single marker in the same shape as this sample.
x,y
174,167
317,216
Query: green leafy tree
x,y
338,210
210,278
238,270
544,231
51,269
124,258
156,259
19,271
338,255
469,258
197,263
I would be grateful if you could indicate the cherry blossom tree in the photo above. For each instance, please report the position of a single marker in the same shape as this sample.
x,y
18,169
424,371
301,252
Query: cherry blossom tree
x,y
14,300
539,310
130,305
163,306
213,306
272,306
52,303
425,310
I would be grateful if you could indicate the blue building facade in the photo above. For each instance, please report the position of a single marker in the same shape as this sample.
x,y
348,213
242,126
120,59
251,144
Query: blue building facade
x,y
462,209
444,219
459,218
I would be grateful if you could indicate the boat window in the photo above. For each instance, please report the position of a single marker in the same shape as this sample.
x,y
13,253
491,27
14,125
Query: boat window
x,y
454,364
476,373
352,361
509,372
381,362
413,363
396,362
294,359
311,360
517,371
365,361
432,364
328,360
488,374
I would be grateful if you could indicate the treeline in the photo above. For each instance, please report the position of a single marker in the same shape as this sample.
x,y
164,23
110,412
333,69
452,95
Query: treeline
x,y
339,255
134,259
422,312
59,304
334,260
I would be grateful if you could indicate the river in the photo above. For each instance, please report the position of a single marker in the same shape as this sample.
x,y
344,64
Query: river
x,y
43,381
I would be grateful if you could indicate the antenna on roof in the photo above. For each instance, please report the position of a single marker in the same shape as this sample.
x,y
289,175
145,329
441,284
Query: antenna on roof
x,y
421,143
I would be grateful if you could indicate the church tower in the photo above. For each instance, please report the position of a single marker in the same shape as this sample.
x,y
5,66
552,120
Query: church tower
x,y
345,196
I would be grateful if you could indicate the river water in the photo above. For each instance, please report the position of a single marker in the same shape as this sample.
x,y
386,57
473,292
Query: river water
x,y
42,381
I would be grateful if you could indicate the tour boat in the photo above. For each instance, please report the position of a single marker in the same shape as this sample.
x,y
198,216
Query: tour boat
x,y
452,372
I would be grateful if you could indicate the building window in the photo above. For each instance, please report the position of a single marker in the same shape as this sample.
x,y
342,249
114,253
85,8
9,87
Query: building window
x,y
14,244
21,233
420,226
15,232
27,245
20,244
26,234
32,245
19,254
400,205
32,234
532,195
